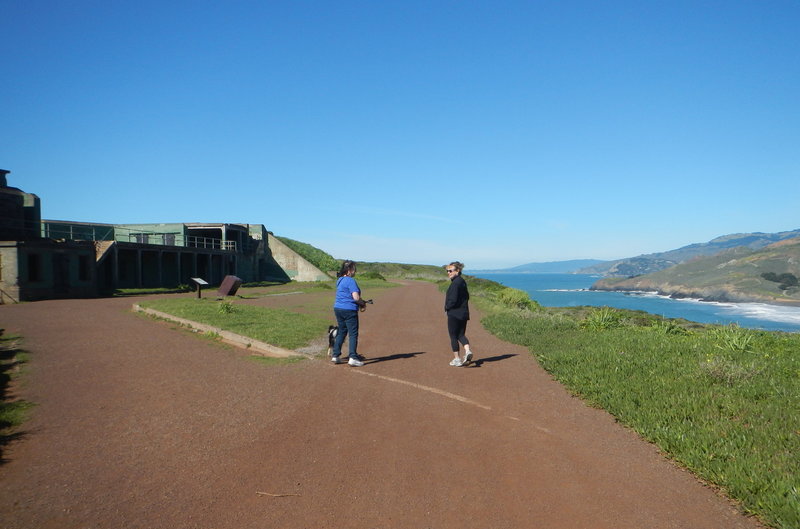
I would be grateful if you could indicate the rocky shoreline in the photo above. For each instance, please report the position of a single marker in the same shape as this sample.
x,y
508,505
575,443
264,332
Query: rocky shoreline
x,y
722,294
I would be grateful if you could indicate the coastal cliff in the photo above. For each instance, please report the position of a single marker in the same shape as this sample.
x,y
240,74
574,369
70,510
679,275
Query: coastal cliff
x,y
736,275
654,262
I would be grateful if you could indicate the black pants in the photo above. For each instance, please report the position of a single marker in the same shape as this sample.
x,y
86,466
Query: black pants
x,y
457,330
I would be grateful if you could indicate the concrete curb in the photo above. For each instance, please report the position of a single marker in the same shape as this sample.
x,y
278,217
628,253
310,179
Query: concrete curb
x,y
254,346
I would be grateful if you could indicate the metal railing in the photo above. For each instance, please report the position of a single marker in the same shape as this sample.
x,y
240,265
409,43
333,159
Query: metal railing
x,y
79,233
116,233
207,242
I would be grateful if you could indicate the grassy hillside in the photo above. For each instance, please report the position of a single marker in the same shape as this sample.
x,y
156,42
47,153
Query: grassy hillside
x,y
739,274
327,263
319,258
649,263
403,271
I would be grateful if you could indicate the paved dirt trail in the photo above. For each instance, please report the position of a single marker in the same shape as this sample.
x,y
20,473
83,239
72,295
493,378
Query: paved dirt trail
x,y
139,425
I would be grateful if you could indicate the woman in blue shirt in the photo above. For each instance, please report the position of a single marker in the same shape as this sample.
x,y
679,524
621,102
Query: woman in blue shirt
x,y
346,305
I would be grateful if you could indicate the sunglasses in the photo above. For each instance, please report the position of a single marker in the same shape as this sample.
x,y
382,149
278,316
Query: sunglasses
x,y
450,270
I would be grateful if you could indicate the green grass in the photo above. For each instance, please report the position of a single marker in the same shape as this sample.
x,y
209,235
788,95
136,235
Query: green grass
x,y
284,328
13,412
321,304
274,326
722,401
269,361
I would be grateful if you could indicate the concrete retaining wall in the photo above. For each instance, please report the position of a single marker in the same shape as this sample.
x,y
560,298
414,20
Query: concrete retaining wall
x,y
295,266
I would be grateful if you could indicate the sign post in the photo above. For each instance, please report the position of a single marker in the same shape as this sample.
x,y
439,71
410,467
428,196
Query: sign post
x,y
198,284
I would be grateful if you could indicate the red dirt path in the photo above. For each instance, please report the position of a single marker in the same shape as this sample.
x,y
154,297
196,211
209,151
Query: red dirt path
x,y
139,425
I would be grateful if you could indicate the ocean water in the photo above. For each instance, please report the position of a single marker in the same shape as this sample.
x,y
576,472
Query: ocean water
x,y
571,290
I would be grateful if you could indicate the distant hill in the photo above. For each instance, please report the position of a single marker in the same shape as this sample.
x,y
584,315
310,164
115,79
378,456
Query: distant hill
x,y
553,267
326,262
767,275
403,271
649,263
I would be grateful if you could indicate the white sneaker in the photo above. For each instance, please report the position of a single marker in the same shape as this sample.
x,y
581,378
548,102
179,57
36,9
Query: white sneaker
x,y
456,362
468,357
336,360
355,362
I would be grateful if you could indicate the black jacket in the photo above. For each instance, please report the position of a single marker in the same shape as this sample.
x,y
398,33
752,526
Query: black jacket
x,y
456,300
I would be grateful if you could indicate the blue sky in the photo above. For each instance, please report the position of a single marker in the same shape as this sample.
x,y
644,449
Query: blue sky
x,y
495,133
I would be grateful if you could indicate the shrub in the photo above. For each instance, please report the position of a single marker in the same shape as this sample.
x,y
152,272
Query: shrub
x,y
786,280
733,338
728,371
514,298
371,275
667,327
602,319
226,307
770,276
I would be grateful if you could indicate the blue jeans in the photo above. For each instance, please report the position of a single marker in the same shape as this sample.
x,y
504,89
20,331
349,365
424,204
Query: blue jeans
x,y
347,320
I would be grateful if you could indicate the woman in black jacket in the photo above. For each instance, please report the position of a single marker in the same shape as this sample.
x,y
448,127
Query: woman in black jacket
x,y
456,305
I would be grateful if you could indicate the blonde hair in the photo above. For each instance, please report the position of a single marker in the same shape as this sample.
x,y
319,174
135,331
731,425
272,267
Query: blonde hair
x,y
457,265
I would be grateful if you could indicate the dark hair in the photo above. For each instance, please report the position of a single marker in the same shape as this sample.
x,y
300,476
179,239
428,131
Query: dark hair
x,y
346,267
458,266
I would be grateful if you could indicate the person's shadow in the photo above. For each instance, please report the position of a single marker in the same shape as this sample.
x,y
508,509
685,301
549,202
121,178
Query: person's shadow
x,y
398,356
404,356
480,361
